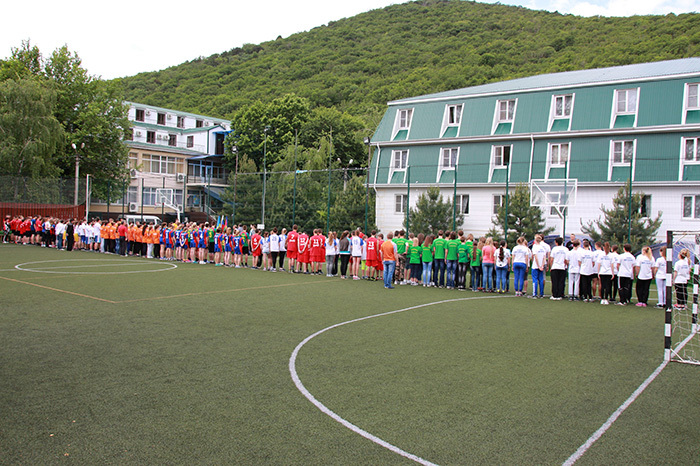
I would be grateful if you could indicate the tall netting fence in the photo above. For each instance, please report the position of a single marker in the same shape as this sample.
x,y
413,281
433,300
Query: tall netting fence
x,y
59,197
335,200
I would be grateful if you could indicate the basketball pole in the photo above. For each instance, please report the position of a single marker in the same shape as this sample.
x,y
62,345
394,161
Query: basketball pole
x,y
566,197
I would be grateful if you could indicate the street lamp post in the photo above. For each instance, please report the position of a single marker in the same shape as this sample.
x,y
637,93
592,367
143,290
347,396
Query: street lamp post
x,y
77,169
264,173
234,149
368,143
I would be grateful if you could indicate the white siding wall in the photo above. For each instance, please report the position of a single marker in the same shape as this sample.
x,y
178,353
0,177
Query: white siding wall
x,y
666,199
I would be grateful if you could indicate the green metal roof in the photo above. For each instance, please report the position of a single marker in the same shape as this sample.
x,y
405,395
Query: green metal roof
x,y
637,72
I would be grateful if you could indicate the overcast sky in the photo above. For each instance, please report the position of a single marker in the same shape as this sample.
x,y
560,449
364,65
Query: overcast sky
x,y
116,39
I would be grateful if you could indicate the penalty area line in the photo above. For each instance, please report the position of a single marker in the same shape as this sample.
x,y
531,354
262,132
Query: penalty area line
x,y
324,409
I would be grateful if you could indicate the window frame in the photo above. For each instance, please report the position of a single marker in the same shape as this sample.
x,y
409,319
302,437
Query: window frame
x,y
181,122
151,137
190,142
688,104
497,205
172,140
559,146
634,91
508,111
684,151
400,200
140,112
453,158
622,162
160,119
553,110
494,149
460,202
694,206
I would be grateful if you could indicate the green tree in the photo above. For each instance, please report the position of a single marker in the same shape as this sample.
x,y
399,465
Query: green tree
x,y
348,211
29,131
91,112
616,223
432,213
523,219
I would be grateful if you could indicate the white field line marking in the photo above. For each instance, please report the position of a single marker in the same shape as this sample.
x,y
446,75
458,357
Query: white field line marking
x,y
300,386
598,433
104,264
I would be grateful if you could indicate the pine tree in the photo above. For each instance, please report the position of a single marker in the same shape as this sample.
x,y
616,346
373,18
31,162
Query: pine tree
x,y
523,219
617,227
432,213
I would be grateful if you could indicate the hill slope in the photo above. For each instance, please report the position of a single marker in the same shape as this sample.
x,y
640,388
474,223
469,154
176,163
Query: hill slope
x,y
358,64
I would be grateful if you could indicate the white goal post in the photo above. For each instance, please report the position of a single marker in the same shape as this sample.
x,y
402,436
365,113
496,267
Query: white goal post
x,y
681,329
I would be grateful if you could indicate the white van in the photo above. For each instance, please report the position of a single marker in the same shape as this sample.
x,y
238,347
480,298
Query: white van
x,y
148,219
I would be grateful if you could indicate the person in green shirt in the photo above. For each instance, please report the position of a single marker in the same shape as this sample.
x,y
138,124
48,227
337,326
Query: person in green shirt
x,y
476,266
400,241
463,256
414,252
427,260
439,262
451,256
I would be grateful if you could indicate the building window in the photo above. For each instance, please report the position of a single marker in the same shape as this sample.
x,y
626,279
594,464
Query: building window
x,y
199,124
462,201
693,99
161,119
555,212
558,154
172,140
448,160
454,115
190,141
149,196
180,122
131,195
645,207
133,160
563,105
501,156
622,152
506,110
151,137
399,159
161,164
626,101
140,114
405,118
691,206
497,202
400,203
692,151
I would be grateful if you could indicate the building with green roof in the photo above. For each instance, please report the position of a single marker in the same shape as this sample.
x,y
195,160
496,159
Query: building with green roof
x,y
596,129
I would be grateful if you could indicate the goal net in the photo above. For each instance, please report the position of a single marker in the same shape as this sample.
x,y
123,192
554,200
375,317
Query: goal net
x,y
682,336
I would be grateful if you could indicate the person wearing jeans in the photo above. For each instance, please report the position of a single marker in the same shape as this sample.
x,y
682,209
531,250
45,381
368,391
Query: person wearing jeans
x,y
539,266
487,258
451,256
388,254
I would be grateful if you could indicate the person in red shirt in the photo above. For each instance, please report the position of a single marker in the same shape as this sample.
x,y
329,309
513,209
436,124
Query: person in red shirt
x,y
255,248
303,253
380,263
318,251
292,248
372,259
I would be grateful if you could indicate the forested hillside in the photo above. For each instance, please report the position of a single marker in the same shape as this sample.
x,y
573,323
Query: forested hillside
x,y
358,64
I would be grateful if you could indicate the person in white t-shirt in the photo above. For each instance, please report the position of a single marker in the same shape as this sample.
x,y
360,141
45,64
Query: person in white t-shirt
x,y
274,241
573,258
520,259
660,275
681,275
644,269
604,268
626,274
539,266
557,265
587,265
616,264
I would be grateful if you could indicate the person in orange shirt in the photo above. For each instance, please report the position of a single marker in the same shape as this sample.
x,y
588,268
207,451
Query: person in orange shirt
x,y
388,253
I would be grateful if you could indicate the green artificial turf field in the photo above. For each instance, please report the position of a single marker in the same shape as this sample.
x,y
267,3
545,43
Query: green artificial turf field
x,y
191,365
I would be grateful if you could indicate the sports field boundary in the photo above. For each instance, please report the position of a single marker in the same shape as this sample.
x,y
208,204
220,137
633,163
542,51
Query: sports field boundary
x,y
323,408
